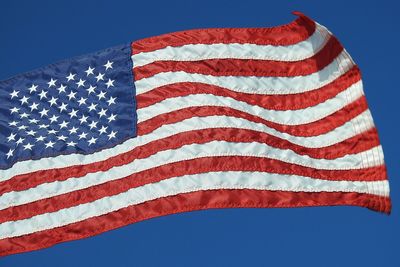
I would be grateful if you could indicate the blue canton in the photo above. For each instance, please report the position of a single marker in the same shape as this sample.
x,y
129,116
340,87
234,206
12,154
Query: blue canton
x,y
75,106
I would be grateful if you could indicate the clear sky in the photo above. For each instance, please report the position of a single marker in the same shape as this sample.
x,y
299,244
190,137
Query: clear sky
x,y
37,33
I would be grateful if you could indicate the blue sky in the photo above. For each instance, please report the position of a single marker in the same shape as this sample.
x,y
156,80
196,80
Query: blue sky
x,y
37,33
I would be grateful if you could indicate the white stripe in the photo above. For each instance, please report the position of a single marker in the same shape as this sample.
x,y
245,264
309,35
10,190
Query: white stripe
x,y
186,152
185,184
286,117
253,84
196,123
192,52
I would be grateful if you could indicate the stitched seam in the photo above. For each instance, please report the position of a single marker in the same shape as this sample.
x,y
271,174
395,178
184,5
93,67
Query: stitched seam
x,y
224,169
220,125
133,95
305,72
249,90
298,162
284,159
310,119
364,158
232,56
293,106
285,172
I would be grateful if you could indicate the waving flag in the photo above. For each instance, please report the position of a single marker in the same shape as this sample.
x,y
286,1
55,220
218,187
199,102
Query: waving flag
x,y
211,118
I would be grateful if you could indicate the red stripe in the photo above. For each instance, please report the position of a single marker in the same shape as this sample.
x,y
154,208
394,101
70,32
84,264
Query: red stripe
x,y
356,144
275,102
188,202
246,67
194,166
318,127
294,32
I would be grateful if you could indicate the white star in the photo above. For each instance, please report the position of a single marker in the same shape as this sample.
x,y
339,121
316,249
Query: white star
x,y
91,89
62,137
101,95
13,123
52,131
89,71
20,140
24,115
81,83
63,107
82,135
14,94
11,137
92,107
92,141
110,83
14,110
43,112
31,132
43,126
70,77
53,101
28,146
43,94
64,124
112,135
93,124
111,100
100,76
108,65
71,95
34,106
32,88
73,130
33,121
52,82
24,100
82,101
71,143
61,89
73,113
83,119
111,118
103,129
102,112
54,118
22,127
10,153
40,138
49,144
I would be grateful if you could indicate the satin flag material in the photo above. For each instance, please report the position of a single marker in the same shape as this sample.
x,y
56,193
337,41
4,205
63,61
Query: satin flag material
x,y
210,118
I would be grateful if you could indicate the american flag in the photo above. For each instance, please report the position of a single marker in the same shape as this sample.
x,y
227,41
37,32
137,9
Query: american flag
x,y
210,118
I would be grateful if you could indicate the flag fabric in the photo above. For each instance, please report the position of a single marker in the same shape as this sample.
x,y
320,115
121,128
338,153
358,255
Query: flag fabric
x,y
198,119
